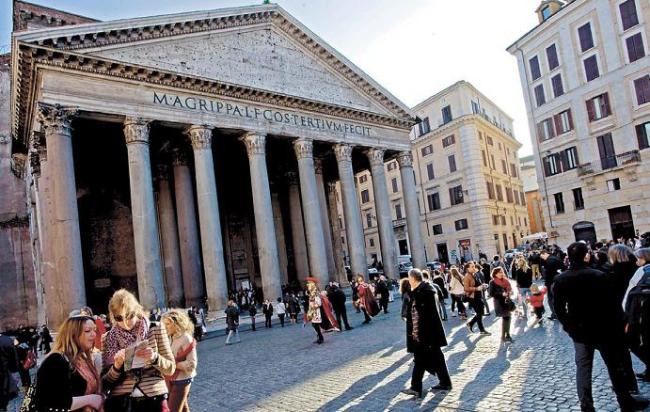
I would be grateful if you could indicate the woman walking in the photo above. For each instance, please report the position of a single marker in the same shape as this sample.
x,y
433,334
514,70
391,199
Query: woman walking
x,y
501,290
457,292
314,312
474,293
267,309
523,274
232,321
141,389
181,332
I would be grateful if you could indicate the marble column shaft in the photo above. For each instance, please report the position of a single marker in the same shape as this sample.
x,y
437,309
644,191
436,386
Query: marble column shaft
x,y
267,247
383,212
351,210
43,225
337,245
298,241
327,232
311,210
279,234
405,160
216,279
170,243
188,231
68,283
151,289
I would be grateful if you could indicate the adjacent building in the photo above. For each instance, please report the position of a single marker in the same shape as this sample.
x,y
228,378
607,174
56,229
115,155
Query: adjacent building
x,y
533,196
469,188
585,76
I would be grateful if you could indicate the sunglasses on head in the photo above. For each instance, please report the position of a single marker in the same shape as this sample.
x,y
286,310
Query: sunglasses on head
x,y
120,318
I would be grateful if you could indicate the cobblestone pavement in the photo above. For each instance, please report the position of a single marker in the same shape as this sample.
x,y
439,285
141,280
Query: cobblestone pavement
x,y
280,369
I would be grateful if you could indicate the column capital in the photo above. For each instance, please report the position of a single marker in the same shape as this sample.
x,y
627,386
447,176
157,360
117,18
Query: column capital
x,y
405,159
375,156
136,130
292,178
200,137
304,148
343,152
318,165
179,157
56,118
255,143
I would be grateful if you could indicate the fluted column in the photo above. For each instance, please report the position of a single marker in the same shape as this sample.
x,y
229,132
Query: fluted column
x,y
267,248
151,289
297,229
170,244
279,234
351,210
383,212
405,160
336,233
216,279
188,230
311,210
324,215
37,223
65,235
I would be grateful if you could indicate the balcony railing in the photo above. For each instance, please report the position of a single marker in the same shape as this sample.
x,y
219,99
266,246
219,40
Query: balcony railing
x,y
633,156
585,169
399,222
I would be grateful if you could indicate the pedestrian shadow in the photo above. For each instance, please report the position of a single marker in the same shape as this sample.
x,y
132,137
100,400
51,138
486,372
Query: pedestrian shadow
x,y
382,394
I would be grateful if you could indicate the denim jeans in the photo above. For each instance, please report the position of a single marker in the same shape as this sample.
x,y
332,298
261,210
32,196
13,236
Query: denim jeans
x,y
523,293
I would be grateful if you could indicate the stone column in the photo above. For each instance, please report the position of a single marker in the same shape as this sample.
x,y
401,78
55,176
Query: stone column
x,y
267,247
188,230
66,288
351,210
36,225
324,215
216,279
416,244
297,229
151,289
170,244
383,212
311,210
279,234
337,252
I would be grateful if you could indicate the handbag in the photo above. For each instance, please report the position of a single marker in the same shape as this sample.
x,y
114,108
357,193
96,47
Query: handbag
x,y
508,304
29,361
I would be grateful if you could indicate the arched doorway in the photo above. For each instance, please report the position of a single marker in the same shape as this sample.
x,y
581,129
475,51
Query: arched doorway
x,y
585,231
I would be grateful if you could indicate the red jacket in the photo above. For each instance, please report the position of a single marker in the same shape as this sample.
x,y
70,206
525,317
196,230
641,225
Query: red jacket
x,y
537,300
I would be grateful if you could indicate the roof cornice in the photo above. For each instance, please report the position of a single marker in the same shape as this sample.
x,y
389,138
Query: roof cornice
x,y
462,121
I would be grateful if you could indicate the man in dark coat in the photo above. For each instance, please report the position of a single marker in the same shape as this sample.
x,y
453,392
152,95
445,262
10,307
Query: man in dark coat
x,y
552,267
383,292
8,365
577,291
337,298
425,336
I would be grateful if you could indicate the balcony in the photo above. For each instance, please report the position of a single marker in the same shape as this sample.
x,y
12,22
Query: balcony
x,y
633,156
399,222
585,169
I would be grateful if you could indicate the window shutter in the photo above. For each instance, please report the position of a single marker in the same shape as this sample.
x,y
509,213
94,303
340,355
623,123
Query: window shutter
x,y
547,167
570,116
606,108
564,165
590,109
557,119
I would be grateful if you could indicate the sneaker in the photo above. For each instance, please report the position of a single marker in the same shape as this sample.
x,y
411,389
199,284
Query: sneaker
x,y
441,387
470,327
485,333
412,392
453,315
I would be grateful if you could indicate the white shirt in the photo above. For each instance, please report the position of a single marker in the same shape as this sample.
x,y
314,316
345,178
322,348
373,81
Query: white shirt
x,y
280,309
633,282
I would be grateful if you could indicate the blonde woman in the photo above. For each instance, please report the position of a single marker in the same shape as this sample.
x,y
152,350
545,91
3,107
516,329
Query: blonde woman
x,y
457,292
142,389
68,379
523,274
181,331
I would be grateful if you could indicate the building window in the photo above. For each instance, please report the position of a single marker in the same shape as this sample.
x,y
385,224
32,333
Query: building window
x,y
490,190
424,126
495,220
578,201
558,89
571,158
546,13
430,171
540,99
551,57
476,109
586,37
365,196
515,195
446,115
342,240
426,150
448,141
508,195
434,201
504,167
437,229
484,158
513,170
591,68
393,183
363,178
559,203
563,122
499,193
545,130
392,166
461,224
598,107
456,195
492,162
642,88
398,211
534,68
452,163
368,220
642,133
635,49
503,220
614,184
523,198
606,150
490,141
629,17
552,165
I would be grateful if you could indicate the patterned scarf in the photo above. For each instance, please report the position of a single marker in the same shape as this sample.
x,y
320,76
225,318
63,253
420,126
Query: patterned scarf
x,y
504,283
415,318
118,338
89,373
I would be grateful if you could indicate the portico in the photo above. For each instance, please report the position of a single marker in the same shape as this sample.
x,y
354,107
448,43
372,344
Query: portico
x,y
218,212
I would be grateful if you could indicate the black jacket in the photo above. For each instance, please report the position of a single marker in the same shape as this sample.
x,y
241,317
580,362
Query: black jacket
x,y
232,317
620,274
552,266
382,289
337,298
500,307
431,332
267,308
524,278
63,383
8,365
585,305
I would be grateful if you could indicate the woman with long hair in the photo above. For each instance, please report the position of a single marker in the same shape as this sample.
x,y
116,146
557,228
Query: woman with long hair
x,y
500,290
474,292
523,274
181,332
457,292
68,378
313,313
140,387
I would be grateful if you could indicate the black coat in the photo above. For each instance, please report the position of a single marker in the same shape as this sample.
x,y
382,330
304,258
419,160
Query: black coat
x,y
382,289
337,298
500,307
431,332
585,305
63,383
232,317
524,278
552,267
267,309
620,274
8,365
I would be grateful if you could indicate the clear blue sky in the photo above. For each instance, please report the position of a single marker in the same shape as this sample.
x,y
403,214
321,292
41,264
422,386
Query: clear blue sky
x,y
414,48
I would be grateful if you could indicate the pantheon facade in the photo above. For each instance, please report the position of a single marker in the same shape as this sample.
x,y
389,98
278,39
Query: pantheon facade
x,y
185,156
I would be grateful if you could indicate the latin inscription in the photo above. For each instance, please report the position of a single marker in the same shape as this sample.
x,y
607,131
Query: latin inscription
x,y
257,113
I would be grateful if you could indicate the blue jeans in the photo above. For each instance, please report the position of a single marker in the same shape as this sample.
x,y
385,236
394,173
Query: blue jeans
x,y
523,293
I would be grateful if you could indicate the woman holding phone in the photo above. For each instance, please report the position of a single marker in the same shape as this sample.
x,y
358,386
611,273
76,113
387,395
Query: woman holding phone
x,y
140,389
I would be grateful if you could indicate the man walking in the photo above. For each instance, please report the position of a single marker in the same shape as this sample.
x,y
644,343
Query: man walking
x,y
232,321
425,336
552,266
337,298
576,291
383,292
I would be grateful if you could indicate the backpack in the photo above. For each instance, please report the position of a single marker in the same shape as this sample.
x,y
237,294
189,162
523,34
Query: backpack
x,y
637,307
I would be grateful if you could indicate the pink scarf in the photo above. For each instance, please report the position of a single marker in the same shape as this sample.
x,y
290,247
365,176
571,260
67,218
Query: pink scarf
x,y
87,370
118,338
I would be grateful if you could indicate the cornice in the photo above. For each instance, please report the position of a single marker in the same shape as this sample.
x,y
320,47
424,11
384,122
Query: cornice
x,y
30,57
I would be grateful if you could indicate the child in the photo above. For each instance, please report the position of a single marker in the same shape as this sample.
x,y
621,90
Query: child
x,y
536,300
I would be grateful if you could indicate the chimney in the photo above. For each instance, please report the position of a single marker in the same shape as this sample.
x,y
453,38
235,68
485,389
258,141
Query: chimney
x,y
548,8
